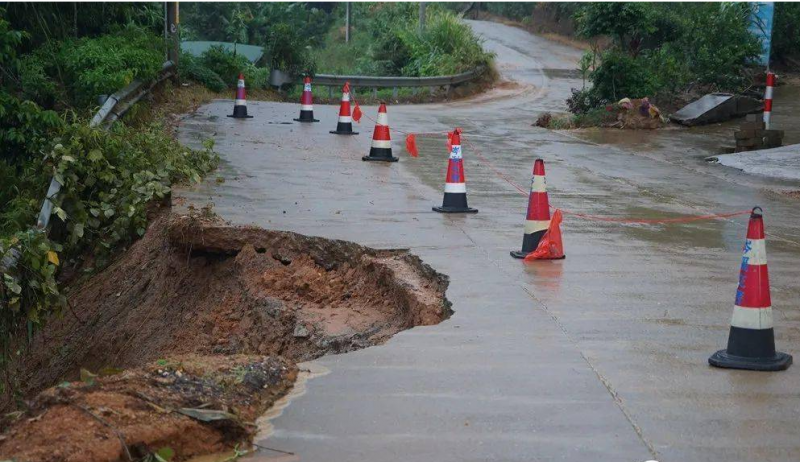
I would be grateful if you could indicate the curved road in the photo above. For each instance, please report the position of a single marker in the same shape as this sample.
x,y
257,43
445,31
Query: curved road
x,y
599,357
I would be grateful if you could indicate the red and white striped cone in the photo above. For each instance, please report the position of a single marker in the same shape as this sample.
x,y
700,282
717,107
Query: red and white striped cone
x,y
537,219
381,149
455,186
306,103
240,102
751,342
768,98
345,124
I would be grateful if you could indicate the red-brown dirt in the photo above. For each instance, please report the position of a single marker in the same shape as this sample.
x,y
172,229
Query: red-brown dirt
x,y
198,288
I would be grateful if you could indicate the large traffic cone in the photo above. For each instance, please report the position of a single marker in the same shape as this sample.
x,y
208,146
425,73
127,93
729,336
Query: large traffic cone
x,y
306,103
345,124
381,139
455,186
751,342
240,103
537,219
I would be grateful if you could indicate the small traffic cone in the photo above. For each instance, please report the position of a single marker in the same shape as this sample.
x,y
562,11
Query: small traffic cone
x,y
455,186
240,103
345,125
751,342
381,149
537,219
306,103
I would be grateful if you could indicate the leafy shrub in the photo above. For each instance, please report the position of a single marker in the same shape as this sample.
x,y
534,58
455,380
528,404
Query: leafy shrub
x,y
785,36
224,63
103,65
192,68
35,83
582,101
285,49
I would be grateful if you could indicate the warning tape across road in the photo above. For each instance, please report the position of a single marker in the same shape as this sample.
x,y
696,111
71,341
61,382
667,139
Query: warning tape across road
x,y
523,191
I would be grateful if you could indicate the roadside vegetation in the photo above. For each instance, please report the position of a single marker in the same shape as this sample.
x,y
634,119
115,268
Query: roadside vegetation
x,y
57,60
385,41
669,53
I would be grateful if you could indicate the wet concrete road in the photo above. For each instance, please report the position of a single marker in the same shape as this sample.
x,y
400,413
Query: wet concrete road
x,y
600,357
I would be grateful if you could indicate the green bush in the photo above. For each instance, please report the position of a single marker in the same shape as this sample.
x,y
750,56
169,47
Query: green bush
x,y
192,68
285,49
786,31
103,65
224,63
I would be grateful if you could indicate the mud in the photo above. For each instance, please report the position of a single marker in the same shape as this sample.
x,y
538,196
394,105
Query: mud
x,y
196,286
165,405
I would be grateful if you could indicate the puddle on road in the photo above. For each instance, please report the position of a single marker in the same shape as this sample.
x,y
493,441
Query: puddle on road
x,y
308,371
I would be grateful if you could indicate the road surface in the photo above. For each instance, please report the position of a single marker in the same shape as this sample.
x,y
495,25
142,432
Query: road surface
x,y
599,357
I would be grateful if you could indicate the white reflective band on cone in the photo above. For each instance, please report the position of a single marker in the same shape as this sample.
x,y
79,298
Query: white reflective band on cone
x,y
752,318
306,87
538,184
306,107
381,144
346,97
240,84
756,253
767,116
768,93
455,187
240,102
345,119
383,119
532,226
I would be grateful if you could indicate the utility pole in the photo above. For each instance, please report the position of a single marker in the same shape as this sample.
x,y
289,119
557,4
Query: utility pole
x,y
347,22
171,30
422,6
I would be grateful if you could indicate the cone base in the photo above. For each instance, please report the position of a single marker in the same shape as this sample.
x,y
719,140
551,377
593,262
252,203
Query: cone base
x,y
306,120
521,254
779,362
443,209
240,112
336,132
306,116
380,159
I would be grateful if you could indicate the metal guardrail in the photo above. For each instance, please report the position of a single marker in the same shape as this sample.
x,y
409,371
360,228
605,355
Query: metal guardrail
x,y
362,81
112,109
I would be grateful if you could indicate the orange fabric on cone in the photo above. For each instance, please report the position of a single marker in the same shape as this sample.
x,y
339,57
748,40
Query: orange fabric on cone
x,y
356,112
550,246
411,145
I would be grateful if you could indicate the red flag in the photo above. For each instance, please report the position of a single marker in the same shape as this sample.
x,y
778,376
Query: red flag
x,y
449,141
356,112
411,145
550,246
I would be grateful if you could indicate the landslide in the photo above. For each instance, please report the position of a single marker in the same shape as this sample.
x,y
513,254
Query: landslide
x,y
228,297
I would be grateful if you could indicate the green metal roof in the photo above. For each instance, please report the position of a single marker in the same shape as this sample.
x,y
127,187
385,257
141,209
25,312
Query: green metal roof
x,y
251,52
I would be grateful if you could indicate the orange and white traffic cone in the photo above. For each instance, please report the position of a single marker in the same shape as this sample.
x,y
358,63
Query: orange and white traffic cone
x,y
381,149
455,186
240,102
751,341
306,103
345,124
537,219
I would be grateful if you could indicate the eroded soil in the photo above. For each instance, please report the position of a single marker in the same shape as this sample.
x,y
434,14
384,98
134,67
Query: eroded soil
x,y
198,288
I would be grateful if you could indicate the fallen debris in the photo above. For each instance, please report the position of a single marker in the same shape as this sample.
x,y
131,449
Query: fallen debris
x,y
194,287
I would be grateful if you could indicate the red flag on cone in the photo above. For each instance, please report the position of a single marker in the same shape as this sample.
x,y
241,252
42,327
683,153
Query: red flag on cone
x,y
411,145
357,112
550,247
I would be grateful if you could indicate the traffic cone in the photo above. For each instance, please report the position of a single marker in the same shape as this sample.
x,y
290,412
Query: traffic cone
x,y
381,149
537,219
751,342
306,103
455,187
345,125
240,103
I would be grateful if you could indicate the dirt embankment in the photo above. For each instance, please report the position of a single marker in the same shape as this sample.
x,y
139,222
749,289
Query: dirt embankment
x,y
178,311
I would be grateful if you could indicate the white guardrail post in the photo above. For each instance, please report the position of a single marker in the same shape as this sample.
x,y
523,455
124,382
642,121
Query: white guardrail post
x,y
113,108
